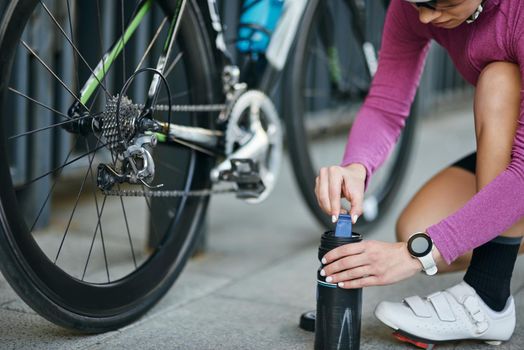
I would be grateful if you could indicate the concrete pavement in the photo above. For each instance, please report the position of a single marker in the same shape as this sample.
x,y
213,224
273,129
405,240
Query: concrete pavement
x,y
258,274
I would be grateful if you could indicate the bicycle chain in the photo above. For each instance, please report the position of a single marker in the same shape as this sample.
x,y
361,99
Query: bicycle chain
x,y
175,193
188,108
168,193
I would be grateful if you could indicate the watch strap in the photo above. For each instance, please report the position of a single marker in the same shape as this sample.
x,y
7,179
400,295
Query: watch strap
x,y
428,264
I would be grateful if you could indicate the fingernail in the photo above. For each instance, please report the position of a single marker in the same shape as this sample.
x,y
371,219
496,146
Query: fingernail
x,y
324,261
355,218
322,272
329,279
333,218
341,284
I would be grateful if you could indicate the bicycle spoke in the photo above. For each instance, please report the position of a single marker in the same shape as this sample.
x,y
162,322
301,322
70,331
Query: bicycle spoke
x,y
51,126
150,46
104,250
125,218
99,214
175,61
73,45
52,73
64,165
98,225
93,241
38,103
76,204
52,188
128,230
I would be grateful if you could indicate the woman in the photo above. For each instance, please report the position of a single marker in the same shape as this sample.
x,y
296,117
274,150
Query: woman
x,y
475,204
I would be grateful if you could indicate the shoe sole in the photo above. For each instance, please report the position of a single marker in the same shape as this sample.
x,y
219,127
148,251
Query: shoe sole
x,y
423,343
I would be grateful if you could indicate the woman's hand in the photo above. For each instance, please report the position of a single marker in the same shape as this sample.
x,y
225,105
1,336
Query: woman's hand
x,y
369,263
334,182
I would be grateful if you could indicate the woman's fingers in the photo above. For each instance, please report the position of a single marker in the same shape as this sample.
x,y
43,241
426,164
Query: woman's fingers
x,y
367,281
343,251
348,275
355,197
323,190
334,182
349,262
335,185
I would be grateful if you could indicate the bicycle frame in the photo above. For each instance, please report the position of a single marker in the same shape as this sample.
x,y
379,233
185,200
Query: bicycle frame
x,y
99,73
278,52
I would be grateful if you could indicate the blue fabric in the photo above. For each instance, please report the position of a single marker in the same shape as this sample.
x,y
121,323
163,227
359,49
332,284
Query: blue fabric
x,y
257,21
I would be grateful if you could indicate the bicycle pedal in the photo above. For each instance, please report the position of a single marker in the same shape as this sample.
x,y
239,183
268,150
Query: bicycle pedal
x,y
245,173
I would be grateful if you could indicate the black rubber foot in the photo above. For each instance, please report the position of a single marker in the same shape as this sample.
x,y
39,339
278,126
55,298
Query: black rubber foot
x,y
307,321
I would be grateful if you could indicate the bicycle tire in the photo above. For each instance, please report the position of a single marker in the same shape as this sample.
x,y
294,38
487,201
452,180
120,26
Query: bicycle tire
x,y
50,288
301,142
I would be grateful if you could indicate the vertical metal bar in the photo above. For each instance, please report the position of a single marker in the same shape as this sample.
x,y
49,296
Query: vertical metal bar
x,y
62,140
39,152
143,34
110,27
16,118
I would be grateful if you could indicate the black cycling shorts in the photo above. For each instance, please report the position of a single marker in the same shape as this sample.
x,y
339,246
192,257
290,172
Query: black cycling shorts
x,y
468,162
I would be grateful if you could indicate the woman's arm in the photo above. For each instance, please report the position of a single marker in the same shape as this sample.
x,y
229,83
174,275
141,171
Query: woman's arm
x,y
380,120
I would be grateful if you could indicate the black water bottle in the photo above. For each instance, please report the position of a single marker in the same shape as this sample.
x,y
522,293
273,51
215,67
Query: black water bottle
x,y
337,324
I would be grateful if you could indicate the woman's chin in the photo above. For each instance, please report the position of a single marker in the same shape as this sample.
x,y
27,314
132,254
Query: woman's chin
x,y
448,24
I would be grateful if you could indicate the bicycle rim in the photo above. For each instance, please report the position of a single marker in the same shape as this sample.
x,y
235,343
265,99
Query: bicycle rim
x,y
81,259
327,85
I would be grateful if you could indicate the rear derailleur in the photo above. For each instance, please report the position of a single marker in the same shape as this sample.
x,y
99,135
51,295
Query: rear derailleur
x,y
135,165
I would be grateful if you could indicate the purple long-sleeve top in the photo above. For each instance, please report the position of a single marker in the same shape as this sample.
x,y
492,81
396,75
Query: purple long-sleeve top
x,y
497,35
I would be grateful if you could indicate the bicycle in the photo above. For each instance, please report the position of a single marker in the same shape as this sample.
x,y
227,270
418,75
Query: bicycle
x,y
168,147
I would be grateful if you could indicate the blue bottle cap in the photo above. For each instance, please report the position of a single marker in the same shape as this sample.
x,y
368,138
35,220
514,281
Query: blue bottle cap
x,y
344,227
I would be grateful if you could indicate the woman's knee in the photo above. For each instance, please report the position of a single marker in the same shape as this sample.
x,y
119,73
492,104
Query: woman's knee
x,y
438,198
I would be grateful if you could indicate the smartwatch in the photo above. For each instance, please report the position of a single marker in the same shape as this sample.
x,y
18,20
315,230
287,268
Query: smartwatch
x,y
420,247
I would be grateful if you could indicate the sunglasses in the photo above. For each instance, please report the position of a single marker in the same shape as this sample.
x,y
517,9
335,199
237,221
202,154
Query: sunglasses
x,y
428,4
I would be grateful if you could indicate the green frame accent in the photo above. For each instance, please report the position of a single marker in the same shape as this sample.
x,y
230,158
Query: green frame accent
x,y
108,59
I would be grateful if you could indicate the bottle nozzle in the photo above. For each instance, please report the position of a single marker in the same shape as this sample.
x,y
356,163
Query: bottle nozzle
x,y
344,227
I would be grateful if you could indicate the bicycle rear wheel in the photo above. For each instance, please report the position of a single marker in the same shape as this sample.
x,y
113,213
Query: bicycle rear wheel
x,y
76,256
326,88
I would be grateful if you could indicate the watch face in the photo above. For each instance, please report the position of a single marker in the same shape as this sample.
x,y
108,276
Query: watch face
x,y
419,245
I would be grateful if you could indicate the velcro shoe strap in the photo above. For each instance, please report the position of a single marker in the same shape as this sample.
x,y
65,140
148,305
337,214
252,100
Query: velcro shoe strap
x,y
419,307
442,306
471,304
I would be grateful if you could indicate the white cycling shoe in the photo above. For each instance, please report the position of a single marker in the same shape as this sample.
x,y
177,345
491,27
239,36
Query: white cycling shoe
x,y
456,313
